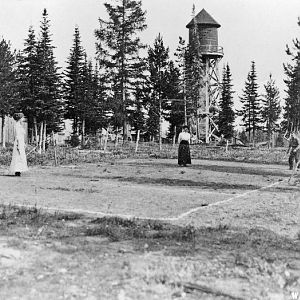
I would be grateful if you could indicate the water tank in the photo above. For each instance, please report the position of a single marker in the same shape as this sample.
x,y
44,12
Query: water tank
x,y
206,32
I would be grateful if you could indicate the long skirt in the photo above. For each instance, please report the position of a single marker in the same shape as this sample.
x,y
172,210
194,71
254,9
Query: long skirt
x,y
184,155
19,161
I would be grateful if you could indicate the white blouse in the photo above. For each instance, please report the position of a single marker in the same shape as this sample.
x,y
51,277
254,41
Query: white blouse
x,y
184,136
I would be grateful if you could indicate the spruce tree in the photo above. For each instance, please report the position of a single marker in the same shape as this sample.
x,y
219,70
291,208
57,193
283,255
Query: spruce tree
x,y
100,116
8,84
118,46
73,87
158,60
251,106
181,108
226,115
49,99
176,116
28,79
270,108
292,101
137,117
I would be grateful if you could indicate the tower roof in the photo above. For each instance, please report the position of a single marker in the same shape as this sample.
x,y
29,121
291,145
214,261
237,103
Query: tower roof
x,y
203,18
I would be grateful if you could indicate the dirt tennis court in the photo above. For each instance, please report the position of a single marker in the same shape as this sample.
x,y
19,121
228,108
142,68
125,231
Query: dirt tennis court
x,y
245,245
203,194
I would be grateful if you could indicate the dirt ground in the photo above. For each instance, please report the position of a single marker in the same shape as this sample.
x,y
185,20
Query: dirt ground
x,y
245,216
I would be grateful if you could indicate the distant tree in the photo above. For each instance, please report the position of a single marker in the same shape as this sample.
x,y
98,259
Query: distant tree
x,y
279,141
292,101
28,80
270,108
86,105
98,112
176,116
226,115
73,87
8,84
243,137
118,49
137,117
251,107
158,60
48,104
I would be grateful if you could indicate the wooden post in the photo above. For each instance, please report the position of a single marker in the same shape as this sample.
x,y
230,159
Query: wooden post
x,y
35,131
174,137
116,140
83,133
160,133
3,131
207,100
137,141
105,140
40,138
44,136
55,150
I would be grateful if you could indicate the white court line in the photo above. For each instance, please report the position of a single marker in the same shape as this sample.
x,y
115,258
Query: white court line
x,y
183,215
227,200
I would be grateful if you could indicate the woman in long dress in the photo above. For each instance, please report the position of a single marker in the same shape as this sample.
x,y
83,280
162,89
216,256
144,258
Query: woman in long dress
x,y
184,138
19,160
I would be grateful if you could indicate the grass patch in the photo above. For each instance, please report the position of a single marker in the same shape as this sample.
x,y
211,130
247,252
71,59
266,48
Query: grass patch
x,y
154,233
69,155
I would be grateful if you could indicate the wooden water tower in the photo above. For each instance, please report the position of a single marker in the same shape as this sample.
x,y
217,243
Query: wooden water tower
x,y
203,35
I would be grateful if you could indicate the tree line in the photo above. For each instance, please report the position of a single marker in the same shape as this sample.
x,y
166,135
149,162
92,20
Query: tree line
x,y
122,87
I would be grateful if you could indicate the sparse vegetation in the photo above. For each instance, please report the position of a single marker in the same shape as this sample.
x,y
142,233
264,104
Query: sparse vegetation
x,y
68,155
164,260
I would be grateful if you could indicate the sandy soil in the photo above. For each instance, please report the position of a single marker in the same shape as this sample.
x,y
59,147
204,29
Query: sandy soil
x,y
237,201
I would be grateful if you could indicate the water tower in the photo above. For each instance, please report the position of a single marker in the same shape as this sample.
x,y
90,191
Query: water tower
x,y
203,35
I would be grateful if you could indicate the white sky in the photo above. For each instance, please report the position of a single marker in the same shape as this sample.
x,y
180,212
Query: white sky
x,y
250,29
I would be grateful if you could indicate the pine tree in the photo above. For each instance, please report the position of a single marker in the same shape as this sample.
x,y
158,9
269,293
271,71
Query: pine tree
x,y
48,102
100,106
292,101
118,48
271,108
28,79
181,61
176,116
226,115
251,108
8,84
158,60
73,89
137,117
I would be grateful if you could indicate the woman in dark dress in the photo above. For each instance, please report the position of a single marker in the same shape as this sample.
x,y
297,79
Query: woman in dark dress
x,y
184,138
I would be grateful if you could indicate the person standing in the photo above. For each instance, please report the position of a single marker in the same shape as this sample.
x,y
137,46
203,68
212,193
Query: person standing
x,y
184,139
19,160
294,149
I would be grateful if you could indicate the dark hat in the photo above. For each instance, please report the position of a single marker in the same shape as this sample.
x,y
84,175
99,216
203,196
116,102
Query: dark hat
x,y
18,116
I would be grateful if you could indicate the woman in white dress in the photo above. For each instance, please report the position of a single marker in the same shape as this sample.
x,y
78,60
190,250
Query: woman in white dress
x,y
19,160
184,139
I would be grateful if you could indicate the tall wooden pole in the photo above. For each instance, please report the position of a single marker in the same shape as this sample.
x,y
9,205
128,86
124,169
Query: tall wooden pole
x,y
160,129
206,102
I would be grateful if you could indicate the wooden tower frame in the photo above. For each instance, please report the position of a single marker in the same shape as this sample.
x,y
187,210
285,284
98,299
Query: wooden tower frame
x,y
211,54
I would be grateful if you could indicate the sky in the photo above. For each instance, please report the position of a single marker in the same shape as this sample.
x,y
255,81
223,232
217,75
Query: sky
x,y
251,30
